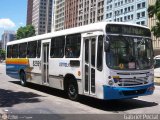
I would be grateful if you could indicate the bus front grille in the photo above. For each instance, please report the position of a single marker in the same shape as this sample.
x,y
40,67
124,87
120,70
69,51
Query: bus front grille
x,y
132,82
134,92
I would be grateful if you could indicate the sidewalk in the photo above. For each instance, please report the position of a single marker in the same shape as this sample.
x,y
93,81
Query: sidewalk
x,y
157,81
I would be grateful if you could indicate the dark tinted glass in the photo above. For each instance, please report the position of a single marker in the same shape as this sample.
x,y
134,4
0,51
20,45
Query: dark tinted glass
x,y
73,44
22,50
57,47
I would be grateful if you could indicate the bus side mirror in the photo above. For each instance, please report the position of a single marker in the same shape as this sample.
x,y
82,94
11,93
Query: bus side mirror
x,y
106,46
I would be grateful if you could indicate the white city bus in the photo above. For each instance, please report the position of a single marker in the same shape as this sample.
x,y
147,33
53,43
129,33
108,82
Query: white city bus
x,y
102,60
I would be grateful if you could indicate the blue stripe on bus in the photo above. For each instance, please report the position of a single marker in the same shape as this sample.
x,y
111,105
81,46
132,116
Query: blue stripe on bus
x,y
13,69
126,92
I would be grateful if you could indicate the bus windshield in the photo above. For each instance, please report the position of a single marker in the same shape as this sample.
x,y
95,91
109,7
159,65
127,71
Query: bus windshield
x,y
129,52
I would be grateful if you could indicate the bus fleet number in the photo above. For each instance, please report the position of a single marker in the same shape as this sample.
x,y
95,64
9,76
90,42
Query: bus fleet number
x,y
36,63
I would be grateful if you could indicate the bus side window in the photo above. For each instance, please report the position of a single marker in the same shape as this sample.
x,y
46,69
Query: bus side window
x,y
73,44
22,50
32,46
9,51
100,53
57,47
15,51
39,49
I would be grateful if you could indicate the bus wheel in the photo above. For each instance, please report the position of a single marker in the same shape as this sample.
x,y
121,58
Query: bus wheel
x,y
23,78
73,90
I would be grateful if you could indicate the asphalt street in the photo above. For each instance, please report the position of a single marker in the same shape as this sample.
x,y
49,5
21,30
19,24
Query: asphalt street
x,y
35,99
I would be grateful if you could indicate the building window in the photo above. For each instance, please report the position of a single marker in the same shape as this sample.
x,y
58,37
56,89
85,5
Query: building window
x,y
138,6
138,15
121,11
129,9
142,22
128,17
138,23
125,10
121,2
143,14
143,5
132,17
116,4
132,8
121,19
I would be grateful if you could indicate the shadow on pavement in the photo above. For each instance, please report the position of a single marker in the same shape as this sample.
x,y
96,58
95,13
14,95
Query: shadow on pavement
x,y
112,105
9,98
116,105
45,89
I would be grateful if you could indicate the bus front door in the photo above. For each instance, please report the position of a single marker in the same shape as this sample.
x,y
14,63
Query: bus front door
x,y
89,65
45,63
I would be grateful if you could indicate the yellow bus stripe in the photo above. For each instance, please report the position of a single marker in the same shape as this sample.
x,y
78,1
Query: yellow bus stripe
x,y
17,61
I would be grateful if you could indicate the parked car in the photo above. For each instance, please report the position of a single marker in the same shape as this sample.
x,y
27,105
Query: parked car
x,y
157,66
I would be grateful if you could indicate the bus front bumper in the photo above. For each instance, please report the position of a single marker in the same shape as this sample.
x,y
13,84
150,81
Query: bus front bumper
x,y
127,92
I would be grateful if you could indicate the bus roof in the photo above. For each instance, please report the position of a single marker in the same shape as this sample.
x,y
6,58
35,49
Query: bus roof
x,y
100,26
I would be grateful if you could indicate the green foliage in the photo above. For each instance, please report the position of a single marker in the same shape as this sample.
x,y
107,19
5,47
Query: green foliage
x,y
24,32
2,54
155,10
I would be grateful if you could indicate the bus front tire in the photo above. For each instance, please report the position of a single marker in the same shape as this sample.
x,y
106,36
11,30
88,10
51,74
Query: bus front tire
x,y
72,90
23,78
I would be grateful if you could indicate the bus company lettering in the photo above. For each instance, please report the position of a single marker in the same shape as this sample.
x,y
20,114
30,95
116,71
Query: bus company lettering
x,y
63,64
36,63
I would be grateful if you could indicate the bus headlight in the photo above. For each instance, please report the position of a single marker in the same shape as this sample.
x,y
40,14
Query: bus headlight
x,y
110,82
116,78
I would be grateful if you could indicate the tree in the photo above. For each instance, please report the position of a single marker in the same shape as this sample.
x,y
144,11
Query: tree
x,y
155,10
2,54
24,32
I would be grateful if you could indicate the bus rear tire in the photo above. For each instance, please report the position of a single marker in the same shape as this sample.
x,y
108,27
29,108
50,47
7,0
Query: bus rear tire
x,y
23,78
72,90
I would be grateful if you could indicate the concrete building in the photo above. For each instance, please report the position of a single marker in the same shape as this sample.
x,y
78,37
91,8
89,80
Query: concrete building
x,y
59,15
53,16
7,36
90,11
71,13
134,11
39,14
29,12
